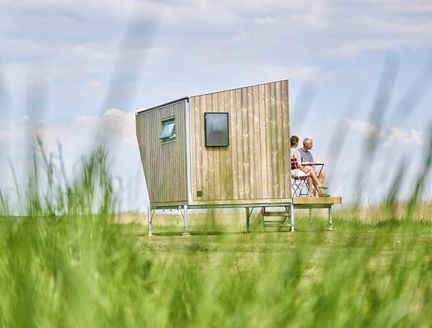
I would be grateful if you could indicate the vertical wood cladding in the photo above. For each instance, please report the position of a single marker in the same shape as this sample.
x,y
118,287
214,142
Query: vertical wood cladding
x,y
256,164
164,164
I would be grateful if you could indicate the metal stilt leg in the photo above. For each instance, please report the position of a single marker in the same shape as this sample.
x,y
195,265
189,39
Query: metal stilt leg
x,y
185,221
330,221
292,219
248,213
150,220
310,218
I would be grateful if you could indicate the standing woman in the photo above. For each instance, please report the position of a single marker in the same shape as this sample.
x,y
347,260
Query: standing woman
x,y
312,180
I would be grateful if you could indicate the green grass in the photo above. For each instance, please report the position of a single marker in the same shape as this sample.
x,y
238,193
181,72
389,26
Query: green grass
x,y
85,271
65,262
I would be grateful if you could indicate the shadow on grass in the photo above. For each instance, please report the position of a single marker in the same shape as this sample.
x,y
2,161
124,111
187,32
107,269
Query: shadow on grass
x,y
191,233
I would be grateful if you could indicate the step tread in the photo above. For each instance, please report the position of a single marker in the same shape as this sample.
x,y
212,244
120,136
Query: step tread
x,y
274,223
277,225
275,214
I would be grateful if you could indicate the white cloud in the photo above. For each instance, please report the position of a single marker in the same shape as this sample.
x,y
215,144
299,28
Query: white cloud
x,y
191,47
75,44
279,72
364,127
25,118
345,159
309,28
114,125
395,136
390,136
77,138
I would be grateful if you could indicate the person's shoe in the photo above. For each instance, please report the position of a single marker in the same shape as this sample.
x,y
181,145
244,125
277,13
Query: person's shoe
x,y
324,187
323,194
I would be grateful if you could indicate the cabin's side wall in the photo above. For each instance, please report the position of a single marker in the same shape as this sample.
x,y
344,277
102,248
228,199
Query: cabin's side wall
x,y
256,163
164,164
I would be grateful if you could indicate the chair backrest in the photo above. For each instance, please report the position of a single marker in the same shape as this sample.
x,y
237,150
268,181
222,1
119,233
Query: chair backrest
x,y
294,163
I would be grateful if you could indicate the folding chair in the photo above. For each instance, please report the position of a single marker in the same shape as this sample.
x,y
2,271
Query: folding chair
x,y
298,182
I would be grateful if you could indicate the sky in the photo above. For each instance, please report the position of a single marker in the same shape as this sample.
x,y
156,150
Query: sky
x,y
74,72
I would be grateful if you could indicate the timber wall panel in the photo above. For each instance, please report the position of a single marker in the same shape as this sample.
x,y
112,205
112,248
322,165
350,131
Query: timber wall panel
x,y
164,164
256,164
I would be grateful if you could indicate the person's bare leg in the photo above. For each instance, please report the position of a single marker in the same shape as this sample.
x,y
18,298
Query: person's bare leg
x,y
313,174
310,182
310,186
313,181
317,188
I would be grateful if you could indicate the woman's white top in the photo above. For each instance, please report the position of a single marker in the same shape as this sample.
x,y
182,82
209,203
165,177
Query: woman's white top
x,y
293,151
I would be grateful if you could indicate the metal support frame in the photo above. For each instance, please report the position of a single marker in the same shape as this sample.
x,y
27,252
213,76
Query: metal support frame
x,y
289,206
310,218
183,212
292,218
183,209
185,216
248,215
329,215
249,211
150,220
188,150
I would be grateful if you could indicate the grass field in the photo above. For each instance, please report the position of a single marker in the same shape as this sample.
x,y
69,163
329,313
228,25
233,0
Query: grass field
x,y
86,271
65,261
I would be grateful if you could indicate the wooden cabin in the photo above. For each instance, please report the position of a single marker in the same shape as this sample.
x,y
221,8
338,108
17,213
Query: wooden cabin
x,y
222,149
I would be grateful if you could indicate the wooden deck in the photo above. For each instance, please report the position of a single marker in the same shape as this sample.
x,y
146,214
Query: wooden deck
x,y
316,202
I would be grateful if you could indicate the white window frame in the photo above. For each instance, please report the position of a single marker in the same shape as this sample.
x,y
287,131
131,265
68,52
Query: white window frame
x,y
166,134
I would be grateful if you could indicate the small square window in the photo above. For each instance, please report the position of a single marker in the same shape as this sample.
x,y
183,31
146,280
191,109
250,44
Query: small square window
x,y
168,130
216,130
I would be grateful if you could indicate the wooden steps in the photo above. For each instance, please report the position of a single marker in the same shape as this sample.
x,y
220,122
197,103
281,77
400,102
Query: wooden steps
x,y
275,218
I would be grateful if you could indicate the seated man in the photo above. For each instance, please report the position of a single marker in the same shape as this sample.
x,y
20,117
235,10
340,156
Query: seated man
x,y
299,171
306,156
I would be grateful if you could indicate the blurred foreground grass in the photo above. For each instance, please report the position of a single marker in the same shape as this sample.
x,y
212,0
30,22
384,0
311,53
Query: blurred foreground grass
x,y
84,271
66,262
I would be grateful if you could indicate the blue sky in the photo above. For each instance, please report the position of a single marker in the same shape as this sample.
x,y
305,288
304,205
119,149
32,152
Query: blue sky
x,y
71,68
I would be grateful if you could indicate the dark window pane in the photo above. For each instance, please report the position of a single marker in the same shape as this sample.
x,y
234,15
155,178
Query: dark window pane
x,y
216,129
